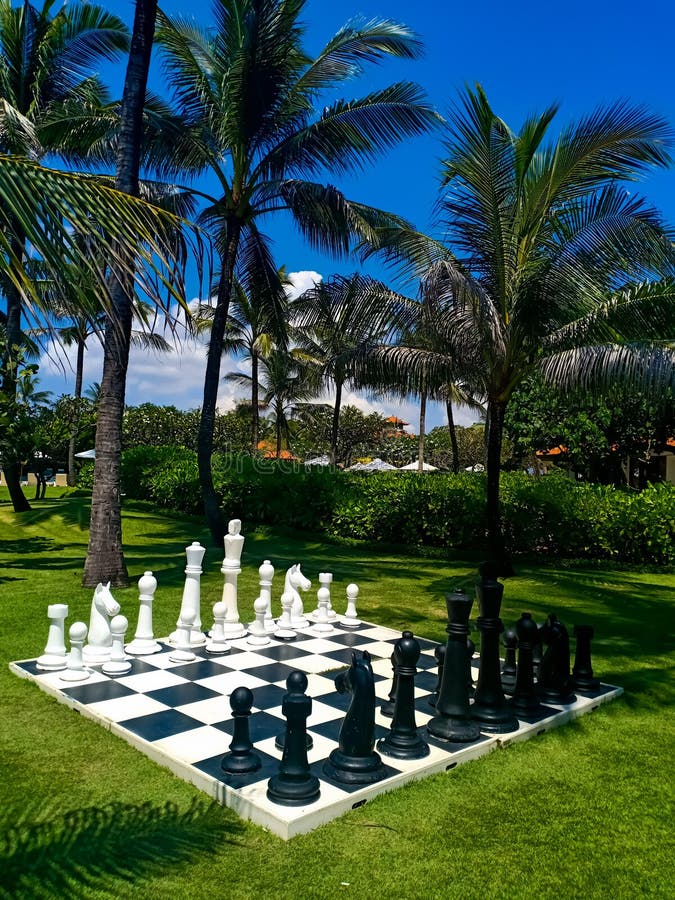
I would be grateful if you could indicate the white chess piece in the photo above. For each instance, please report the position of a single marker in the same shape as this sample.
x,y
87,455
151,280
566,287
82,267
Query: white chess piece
x,y
325,580
99,637
144,642
76,670
191,596
285,632
266,573
323,625
218,644
54,656
118,664
257,631
350,619
231,569
183,651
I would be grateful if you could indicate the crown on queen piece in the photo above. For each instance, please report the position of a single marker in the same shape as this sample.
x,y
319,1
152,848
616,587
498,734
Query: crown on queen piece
x,y
195,554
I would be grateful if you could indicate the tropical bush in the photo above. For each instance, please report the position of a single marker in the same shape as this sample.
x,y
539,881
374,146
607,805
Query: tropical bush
x,y
552,515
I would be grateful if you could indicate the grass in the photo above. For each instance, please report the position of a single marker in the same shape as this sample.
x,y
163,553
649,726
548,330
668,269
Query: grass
x,y
584,811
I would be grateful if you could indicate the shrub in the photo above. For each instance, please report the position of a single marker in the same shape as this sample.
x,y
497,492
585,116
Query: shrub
x,y
551,515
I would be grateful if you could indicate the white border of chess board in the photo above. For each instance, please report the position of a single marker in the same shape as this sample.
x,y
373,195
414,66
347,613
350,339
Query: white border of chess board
x,y
250,802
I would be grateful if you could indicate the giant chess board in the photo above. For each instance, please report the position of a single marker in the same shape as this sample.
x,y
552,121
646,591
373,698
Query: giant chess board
x,y
179,715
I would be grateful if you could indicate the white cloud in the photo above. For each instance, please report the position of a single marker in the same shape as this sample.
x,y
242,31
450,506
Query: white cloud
x,y
301,282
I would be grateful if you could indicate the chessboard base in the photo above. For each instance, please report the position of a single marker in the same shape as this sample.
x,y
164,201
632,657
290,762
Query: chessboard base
x,y
179,715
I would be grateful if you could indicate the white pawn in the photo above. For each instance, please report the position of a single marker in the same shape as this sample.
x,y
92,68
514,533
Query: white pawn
x,y
218,644
325,580
350,619
257,631
183,651
76,670
266,573
284,632
322,625
54,657
118,664
144,642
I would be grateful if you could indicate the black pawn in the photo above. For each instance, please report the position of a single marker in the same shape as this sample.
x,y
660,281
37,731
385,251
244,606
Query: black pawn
x,y
490,709
582,672
554,673
452,721
294,785
240,759
403,741
509,667
439,653
525,702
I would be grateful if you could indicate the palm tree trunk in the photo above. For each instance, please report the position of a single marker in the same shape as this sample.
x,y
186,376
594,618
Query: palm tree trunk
x,y
453,437
79,372
254,402
11,469
420,439
105,557
279,423
335,427
211,382
494,429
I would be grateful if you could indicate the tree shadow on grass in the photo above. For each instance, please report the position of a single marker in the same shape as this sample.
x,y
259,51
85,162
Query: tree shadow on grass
x,y
94,849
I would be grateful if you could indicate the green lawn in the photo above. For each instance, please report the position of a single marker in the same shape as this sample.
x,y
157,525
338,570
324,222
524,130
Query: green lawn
x,y
584,811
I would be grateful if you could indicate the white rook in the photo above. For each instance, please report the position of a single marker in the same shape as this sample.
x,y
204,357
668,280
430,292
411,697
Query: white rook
x,y
231,569
54,657
191,597
144,641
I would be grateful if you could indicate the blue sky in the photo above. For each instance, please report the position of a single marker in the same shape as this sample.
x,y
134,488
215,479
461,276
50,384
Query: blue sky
x,y
524,54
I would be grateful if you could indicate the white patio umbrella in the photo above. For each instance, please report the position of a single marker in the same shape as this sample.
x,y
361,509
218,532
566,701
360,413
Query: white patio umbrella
x,y
414,467
86,454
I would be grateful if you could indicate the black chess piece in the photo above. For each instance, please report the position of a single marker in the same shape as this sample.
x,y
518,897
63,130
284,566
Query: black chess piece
x,y
554,673
509,667
453,721
470,650
439,653
240,759
582,671
387,706
354,760
537,652
490,709
280,741
403,741
525,701
294,785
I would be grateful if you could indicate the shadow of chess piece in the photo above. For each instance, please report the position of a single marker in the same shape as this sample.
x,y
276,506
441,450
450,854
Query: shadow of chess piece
x,y
453,721
509,667
490,709
554,672
294,785
240,758
439,653
525,701
354,760
403,741
582,672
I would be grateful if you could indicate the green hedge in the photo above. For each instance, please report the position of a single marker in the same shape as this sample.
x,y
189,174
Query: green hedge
x,y
551,515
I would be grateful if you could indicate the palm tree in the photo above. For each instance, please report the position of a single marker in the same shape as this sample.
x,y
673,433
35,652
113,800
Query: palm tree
x,y
334,324
250,94
287,381
45,62
545,247
253,330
